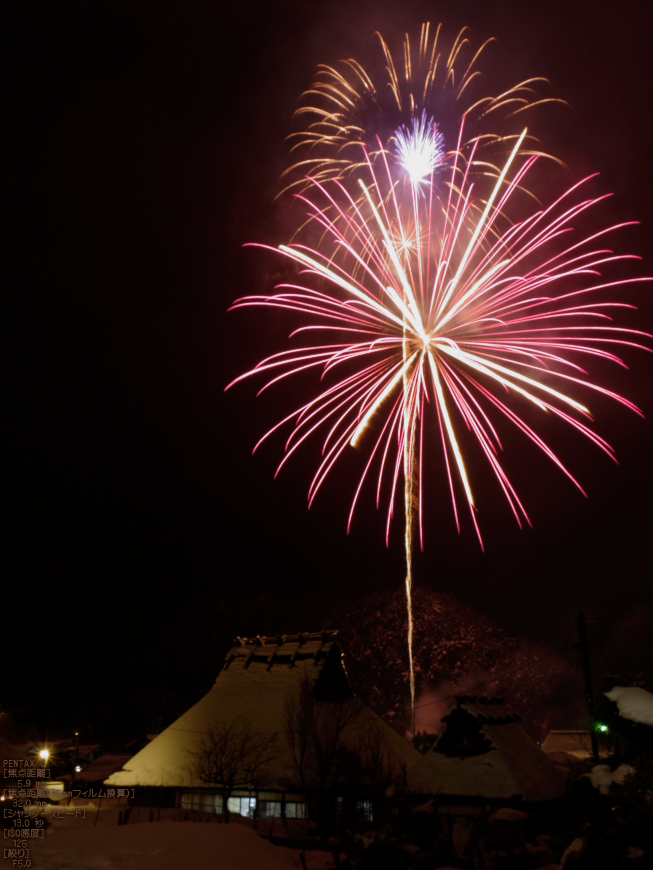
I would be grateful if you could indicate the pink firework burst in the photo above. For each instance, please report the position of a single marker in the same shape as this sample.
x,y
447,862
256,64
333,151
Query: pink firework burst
x,y
434,314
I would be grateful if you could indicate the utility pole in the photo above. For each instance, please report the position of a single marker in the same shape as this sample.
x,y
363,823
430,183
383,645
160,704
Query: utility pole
x,y
74,767
582,646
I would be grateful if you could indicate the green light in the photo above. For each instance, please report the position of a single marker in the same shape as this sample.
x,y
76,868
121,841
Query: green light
x,y
602,728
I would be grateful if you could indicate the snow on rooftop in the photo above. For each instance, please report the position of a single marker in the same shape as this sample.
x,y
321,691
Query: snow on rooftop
x,y
259,677
246,688
476,775
514,766
99,769
574,743
634,703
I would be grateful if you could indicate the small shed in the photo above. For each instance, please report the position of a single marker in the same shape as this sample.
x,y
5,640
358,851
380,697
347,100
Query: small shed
x,y
485,754
575,743
96,771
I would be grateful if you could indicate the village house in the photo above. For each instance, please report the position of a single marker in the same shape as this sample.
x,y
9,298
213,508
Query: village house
x,y
485,755
307,747
485,774
568,746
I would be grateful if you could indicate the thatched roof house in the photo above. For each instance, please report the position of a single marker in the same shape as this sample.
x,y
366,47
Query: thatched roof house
x,y
485,754
261,676
575,744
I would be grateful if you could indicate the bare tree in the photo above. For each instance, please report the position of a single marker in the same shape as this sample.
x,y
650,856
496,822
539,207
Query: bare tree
x,y
233,755
334,747
457,652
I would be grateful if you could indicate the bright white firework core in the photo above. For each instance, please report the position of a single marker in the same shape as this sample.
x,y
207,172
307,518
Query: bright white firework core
x,y
419,148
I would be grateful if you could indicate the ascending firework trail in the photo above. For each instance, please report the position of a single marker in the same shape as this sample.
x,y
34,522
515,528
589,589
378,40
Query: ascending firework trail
x,y
437,310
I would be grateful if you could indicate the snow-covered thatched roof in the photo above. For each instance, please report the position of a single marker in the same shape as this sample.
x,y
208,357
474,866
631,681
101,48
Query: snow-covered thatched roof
x,y
259,678
484,752
573,742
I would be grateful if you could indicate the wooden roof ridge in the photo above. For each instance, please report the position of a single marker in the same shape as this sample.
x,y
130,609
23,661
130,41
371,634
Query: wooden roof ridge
x,y
281,639
281,648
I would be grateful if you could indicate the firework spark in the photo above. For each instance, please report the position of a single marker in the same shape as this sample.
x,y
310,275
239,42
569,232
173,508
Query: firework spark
x,y
457,330
420,149
354,116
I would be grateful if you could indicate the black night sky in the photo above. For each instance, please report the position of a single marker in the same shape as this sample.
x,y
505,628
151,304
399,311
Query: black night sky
x,y
146,141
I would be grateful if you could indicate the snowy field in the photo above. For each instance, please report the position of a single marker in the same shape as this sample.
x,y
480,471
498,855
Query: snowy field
x,y
171,845
76,845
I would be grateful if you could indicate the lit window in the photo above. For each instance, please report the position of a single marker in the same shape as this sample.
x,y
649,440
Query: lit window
x,y
206,802
269,809
190,800
295,810
364,810
243,806
212,803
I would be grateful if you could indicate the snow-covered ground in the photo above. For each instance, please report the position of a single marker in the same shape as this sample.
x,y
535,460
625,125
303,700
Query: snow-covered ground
x,y
166,845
